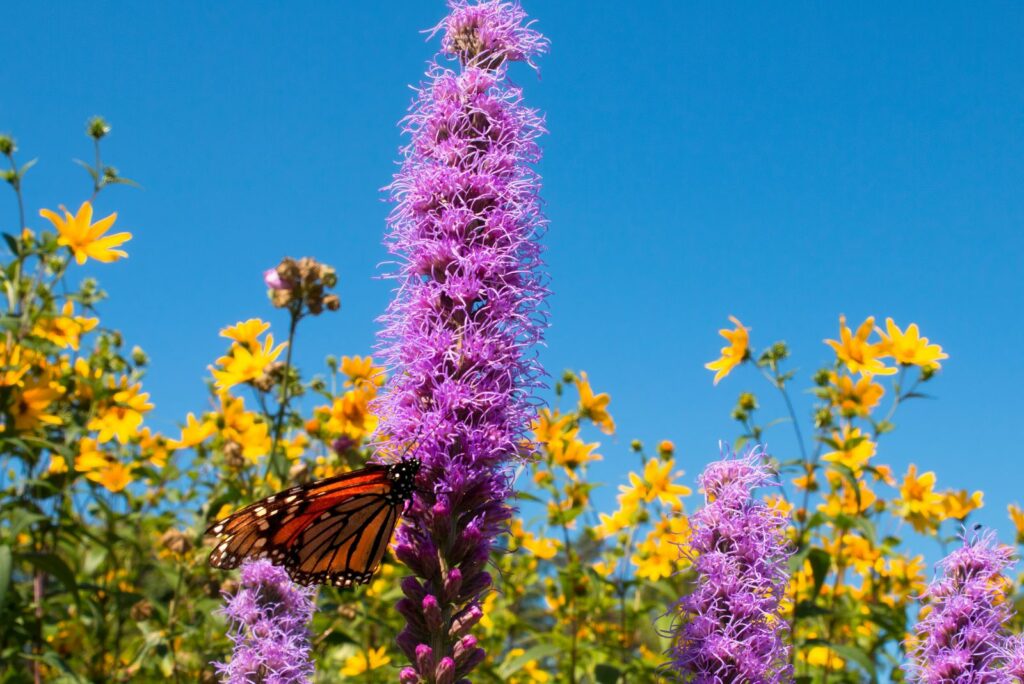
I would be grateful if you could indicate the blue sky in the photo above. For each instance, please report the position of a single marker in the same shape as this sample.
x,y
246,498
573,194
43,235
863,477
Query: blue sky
x,y
784,163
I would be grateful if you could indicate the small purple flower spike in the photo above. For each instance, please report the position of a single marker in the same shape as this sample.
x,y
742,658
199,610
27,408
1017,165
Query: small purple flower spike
x,y
269,617
729,629
460,331
962,638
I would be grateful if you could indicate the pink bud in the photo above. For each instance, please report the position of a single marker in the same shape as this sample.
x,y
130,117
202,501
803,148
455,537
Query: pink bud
x,y
273,280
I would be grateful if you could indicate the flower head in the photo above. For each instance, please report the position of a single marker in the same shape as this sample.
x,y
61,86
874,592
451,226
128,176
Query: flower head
x,y
909,348
961,637
735,353
269,617
856,352
85,238
729,628
489,33
468,309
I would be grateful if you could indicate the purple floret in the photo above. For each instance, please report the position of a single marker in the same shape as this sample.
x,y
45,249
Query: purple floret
x,y
460,332
729,628
962,638
269,618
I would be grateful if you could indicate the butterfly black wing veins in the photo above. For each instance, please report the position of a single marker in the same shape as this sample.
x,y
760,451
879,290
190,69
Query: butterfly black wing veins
x,y
342,545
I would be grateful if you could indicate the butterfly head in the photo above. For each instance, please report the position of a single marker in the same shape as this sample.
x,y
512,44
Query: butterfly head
x,y
403,477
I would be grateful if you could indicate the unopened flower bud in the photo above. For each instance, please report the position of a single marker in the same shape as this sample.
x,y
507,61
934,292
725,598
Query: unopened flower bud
x,y
97,128
142,610
445,672
7,145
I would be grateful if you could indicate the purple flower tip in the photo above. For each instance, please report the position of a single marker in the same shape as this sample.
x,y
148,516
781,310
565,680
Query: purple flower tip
x,y
490,33
963,636
268,619
729,628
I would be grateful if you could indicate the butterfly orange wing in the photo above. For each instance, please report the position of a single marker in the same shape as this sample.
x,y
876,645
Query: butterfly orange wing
x,y
333,531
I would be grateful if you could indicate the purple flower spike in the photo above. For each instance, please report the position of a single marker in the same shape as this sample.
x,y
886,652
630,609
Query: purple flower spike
x,y
962,637
459,333
728,629
269,617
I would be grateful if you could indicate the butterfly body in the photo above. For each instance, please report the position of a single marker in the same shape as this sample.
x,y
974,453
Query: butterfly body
x,y
332,531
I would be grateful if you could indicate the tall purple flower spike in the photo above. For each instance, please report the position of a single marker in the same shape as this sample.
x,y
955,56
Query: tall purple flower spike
x,y
269,618
962,638
729,629
460,331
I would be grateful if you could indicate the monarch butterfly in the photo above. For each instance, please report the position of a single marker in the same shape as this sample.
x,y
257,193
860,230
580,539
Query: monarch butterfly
x,y
332,531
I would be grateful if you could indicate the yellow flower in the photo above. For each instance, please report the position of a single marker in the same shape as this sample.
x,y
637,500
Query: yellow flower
x,y
31,404
84,237
778,502
572,454
246,332
822,656
658,555
918,502
959,504
616,522
244,427
155,447
360,369
113,476
851,549
594,406
909,348
57,466
1017,517
851,449
364,661
124,417
548,426
855,398
656,484
16,364
735,353
244,363
67,329
859,355
350,413
193,433
89,456
844,498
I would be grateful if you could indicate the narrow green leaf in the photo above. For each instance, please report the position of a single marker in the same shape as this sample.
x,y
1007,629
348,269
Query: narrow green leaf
x,y
5,574
820,564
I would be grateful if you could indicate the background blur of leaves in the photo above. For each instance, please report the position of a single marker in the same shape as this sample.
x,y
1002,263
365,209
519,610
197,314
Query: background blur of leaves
x,y
103,574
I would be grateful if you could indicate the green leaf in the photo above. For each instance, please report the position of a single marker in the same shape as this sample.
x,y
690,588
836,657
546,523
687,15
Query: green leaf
x,y
537,652
606,674
53,565
12,243
5,574
820,564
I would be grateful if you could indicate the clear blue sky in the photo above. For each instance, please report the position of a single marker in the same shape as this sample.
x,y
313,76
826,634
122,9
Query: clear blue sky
x,y
782,162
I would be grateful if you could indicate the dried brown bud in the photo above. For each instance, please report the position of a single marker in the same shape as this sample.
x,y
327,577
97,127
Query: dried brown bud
x,y
332,302
299,473
176,541
233,455
142,610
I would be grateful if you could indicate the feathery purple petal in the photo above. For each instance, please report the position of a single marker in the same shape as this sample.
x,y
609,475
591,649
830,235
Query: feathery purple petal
x,y
269,618
460,330
729,628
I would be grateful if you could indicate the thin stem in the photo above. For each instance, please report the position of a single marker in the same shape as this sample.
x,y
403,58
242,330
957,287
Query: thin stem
x,y
282,404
